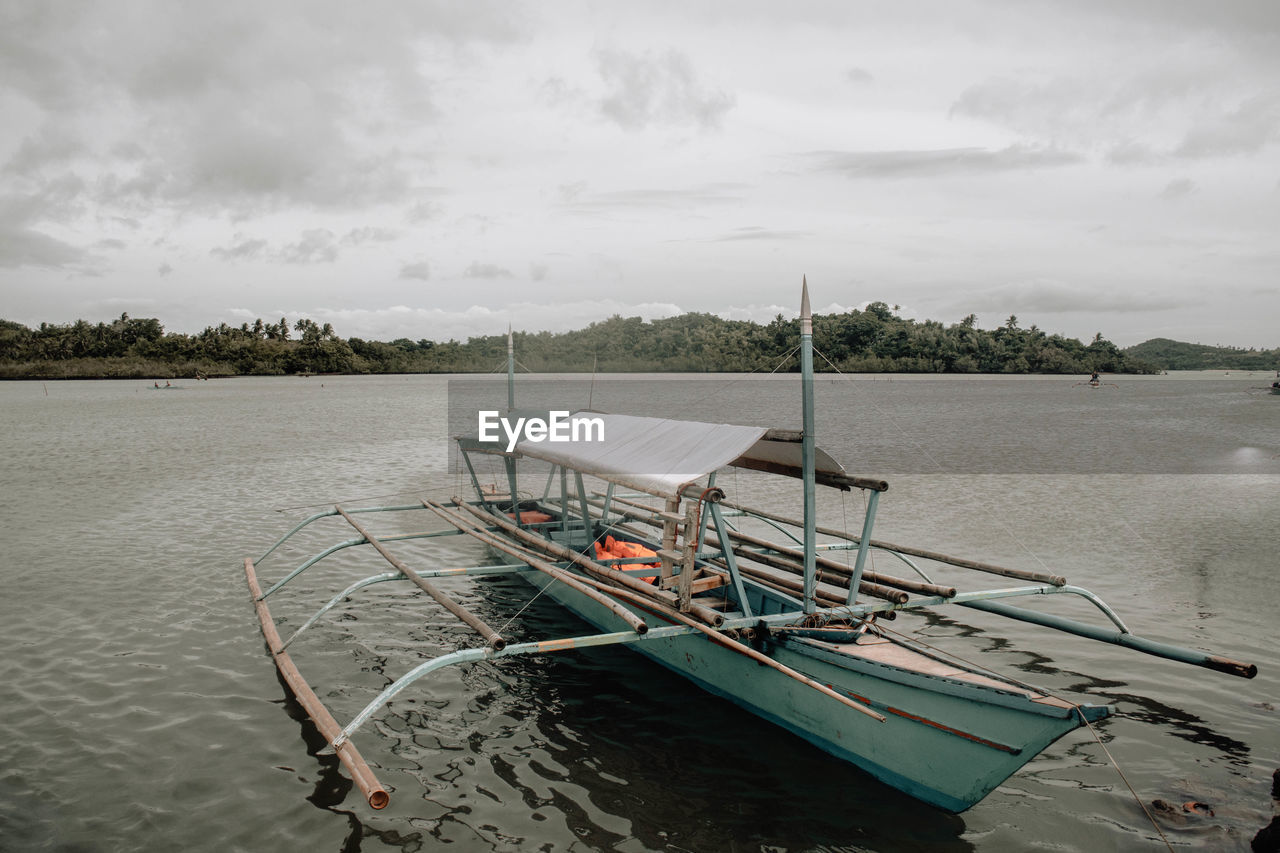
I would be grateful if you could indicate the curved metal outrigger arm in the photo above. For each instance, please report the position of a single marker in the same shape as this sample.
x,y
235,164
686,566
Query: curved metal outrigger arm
x,y
332,549
910,562
853,546
349,543
333,602
473,655
778,527
296,528
326,514
1122,637
510,568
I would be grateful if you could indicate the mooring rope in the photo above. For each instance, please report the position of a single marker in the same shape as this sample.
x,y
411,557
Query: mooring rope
x,y
942,470
1123,778
406,493
546,586
724,385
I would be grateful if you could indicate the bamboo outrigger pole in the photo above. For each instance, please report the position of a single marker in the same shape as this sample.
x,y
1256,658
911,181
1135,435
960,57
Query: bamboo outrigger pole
x,y
491,637
374,793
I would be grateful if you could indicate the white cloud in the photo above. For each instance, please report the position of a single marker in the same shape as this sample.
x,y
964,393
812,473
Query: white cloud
x,y
317,245
420,270
479,270
314,156
644,89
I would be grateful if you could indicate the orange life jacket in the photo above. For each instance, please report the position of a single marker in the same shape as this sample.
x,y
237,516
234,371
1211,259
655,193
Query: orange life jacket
x,y
617,549
531,516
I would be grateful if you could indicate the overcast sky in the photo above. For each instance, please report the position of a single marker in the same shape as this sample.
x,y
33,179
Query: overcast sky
x,y
439,169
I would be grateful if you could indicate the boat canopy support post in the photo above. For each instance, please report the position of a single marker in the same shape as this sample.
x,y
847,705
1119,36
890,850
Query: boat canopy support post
x,y
546,489
475,481
564,500
608,499
730,560
511,482
492,637
867,522
711,496
582,501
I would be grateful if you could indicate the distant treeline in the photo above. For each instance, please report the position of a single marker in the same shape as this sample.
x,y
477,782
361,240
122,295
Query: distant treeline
x,y
1176,355
872,340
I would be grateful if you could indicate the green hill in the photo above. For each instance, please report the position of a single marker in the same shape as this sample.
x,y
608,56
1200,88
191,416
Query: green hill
x,y
868,341
1176,355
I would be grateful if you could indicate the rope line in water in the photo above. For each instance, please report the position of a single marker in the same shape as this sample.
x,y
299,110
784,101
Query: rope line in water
x,y
1125,779
1110,758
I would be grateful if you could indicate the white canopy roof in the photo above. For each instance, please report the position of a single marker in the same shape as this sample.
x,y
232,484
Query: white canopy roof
x,y
662,456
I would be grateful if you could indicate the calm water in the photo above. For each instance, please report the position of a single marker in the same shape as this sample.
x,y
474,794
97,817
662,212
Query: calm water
x,y
139,711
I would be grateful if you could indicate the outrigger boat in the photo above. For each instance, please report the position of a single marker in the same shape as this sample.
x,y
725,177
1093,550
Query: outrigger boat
x,y
781,630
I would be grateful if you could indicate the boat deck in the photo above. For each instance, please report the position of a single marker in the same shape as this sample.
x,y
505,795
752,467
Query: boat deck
x,y
884,651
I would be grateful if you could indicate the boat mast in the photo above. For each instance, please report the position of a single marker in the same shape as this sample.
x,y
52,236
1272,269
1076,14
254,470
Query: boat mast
x,y
507,461
807,450
511,371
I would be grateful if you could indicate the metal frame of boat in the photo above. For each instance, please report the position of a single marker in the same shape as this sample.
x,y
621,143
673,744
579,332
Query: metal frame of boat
x,y
781,630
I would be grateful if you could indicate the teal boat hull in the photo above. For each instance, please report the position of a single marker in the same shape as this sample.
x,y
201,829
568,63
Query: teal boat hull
x,y
950,736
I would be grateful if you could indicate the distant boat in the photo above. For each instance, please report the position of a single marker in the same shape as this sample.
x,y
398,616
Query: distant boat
x,y
777,628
